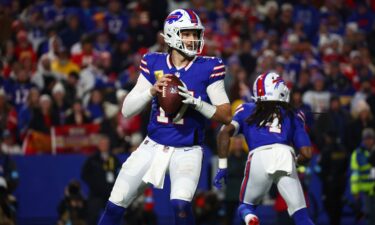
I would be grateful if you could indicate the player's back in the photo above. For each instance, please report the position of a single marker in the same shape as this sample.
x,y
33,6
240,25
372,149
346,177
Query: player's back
x,y
273,132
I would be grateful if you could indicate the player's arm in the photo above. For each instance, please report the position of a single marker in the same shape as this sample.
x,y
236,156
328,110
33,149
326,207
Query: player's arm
x,y
223,141
301,140
141,94
216,93
222,113
304,155
219,110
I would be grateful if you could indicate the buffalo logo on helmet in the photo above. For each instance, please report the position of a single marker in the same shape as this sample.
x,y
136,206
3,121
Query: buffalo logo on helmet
x,y
173,17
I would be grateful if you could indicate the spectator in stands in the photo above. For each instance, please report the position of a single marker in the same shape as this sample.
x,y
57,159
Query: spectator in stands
x,y
304,83
8,58
139,35
72,208
318,98
337,83
70,86
34,22
73,31
99,173
334,161
116,19
92,77
44,77
285,22
86,13
60,105
8,145
55,13
361,95
362,16
95,106
43,117
335,120
361,180
83,52
23,47
246,58
63,65
18,86
102,42
77,115
236,164
362,118
240,87
51,47
26,112
5,113
122,55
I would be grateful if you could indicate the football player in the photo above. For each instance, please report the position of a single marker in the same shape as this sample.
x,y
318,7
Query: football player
x,y
271,128
174,142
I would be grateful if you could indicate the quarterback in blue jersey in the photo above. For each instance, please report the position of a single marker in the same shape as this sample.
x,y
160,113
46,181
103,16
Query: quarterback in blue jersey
x,y
174,141
272,129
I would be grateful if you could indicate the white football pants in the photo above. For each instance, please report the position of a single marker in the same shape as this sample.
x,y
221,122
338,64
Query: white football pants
x,y
184,170
258,178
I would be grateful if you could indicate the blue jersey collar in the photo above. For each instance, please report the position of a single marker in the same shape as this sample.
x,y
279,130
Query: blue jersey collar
x,y
171,65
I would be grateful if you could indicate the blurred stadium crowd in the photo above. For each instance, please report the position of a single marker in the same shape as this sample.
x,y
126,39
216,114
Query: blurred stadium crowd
x,y
66,62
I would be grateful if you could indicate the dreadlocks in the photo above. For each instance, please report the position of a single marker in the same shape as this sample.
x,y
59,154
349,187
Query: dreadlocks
x,y
266,111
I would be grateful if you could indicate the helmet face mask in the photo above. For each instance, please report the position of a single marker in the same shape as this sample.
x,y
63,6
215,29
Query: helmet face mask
x,y
270,87
176,23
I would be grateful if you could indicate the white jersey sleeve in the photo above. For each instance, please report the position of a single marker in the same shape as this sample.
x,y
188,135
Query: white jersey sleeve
x,y
137,98
216,93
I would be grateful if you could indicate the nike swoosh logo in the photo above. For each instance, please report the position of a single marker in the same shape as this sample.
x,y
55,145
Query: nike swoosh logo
x,y
188,149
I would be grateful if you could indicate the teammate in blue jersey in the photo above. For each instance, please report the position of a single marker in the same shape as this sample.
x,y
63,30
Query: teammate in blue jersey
x,y
272,129
174,141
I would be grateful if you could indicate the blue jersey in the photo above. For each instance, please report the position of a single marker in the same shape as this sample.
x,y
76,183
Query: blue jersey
x,y
290,132
197,76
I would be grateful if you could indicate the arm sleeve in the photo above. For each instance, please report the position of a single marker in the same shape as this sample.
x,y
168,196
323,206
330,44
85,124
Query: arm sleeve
x,y
237,120
216,93
137,98
300,137
218,71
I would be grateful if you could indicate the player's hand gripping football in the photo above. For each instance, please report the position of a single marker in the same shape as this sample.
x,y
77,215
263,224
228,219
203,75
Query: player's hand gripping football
x,y
159,84
189,98
203,107
221,175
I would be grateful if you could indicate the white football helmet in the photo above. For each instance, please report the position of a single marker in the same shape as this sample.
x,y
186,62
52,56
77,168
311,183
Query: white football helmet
x,y
270,87
179,20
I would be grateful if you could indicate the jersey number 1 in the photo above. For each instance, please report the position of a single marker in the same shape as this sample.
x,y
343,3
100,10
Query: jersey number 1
x,y
162,118
274,127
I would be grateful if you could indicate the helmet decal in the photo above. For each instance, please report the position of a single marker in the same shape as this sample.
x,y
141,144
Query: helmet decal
x,y
260,85
278,80
173,17
192,16
270,87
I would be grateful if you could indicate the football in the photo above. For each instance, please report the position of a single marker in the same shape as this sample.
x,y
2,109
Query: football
x,y
169,99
